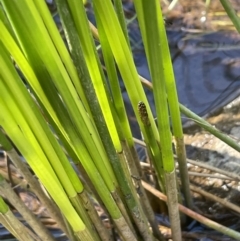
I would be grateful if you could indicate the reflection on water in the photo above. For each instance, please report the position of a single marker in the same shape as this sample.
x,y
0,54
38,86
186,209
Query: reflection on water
x,y
206,67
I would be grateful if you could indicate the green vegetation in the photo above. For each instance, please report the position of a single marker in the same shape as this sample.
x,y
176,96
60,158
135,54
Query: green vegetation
x,y
64,111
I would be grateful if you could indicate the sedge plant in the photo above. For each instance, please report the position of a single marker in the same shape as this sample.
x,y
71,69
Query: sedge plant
x,y
62,108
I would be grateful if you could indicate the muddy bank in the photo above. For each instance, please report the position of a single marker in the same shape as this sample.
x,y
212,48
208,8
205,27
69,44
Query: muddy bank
x,y
203,146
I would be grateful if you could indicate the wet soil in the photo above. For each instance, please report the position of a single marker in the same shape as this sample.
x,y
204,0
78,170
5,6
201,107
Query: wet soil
x,y
205,148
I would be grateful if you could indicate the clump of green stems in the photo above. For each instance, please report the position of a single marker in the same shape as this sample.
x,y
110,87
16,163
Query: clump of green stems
x,y
67,109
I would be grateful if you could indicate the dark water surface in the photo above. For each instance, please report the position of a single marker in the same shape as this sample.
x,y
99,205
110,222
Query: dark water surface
x,y
206,66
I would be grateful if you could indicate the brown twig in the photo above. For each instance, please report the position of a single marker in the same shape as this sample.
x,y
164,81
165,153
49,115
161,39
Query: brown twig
x,y
194,215
215,198
214,169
